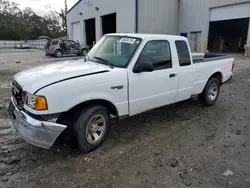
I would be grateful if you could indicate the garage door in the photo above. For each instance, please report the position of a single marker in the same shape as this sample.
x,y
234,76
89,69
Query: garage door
x,y
76,32
230,12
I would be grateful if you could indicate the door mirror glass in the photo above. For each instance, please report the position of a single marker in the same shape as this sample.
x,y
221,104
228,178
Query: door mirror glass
x,y
143,67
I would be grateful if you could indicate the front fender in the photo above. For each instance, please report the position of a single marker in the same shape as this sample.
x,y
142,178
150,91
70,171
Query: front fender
x,y
65,95
92,96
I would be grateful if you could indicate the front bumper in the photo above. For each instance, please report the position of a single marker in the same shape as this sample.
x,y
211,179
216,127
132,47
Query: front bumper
x,y
39,133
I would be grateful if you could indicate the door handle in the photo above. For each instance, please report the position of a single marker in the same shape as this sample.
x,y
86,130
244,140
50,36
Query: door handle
x,y
172,75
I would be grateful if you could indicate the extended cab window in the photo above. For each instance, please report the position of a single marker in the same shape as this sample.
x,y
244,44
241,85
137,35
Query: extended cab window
x,y
183,53
158,53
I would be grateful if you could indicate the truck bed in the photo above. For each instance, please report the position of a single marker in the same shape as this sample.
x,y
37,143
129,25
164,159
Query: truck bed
x,y
212,57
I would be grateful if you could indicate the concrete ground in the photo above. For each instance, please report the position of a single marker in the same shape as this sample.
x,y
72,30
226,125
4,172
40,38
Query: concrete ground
x,y
182,145
17,59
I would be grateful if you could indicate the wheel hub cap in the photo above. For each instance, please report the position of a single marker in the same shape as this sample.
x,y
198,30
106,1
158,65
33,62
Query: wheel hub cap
x,y
213,92
93,128
96,129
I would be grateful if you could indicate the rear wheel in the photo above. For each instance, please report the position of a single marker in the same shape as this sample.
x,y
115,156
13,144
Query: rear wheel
x,y
211,92
58,53
92,127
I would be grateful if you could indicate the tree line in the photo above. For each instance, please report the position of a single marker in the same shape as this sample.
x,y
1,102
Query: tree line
x,y
17,24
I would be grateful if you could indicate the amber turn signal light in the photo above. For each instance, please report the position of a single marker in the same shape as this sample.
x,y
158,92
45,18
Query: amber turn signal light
x,y
41,103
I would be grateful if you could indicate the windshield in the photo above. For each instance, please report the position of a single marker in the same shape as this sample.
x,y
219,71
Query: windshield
x,y
117,50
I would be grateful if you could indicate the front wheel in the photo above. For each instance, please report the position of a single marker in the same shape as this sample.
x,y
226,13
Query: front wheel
x,y
211,92
92,127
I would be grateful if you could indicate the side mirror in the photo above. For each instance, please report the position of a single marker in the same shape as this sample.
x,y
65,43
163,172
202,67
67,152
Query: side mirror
x,y
143,67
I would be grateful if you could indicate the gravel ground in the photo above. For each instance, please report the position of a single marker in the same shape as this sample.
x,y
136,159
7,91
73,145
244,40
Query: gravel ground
x,y
182,145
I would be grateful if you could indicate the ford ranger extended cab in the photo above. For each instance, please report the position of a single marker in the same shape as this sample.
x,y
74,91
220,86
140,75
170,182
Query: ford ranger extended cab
x,y
122,75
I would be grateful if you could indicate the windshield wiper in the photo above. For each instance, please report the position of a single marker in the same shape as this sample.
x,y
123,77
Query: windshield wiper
x,y
105,61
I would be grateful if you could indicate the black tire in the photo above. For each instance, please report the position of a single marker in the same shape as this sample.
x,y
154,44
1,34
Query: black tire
x,y
208,98
84,51
58,53
82,124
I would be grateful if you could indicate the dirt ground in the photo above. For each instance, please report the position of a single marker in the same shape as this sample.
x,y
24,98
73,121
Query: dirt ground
x,y
182,145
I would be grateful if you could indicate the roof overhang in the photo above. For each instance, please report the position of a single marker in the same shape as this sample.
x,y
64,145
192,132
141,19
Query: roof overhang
x,y
74,6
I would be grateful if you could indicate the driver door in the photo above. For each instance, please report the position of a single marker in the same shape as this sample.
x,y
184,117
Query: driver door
x,y
148,90
73,47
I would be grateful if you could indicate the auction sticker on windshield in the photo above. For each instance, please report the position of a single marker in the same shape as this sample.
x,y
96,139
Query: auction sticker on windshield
x,y
128,40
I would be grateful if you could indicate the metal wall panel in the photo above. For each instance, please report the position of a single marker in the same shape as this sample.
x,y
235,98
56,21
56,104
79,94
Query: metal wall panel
x,y
235,11
158,16
76,31
217,3
86,9
194,16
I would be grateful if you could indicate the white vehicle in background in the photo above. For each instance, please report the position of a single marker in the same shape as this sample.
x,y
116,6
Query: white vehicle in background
x,y
122,75
22,45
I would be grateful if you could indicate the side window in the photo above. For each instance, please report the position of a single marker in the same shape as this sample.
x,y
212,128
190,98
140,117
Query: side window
x,y
55,42
158,53
183,53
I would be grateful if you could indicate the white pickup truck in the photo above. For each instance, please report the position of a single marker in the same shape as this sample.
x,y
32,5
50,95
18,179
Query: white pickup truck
x,y
123,75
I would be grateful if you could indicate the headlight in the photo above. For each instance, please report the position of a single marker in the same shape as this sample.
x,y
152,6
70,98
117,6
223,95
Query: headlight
x,y
36,102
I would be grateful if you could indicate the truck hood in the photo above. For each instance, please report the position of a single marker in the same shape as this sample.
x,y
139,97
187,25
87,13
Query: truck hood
x,y
35,78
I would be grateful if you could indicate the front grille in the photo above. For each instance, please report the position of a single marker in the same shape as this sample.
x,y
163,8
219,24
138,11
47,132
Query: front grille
x,y
17,94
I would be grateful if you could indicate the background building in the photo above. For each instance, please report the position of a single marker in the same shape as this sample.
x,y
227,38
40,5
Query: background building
x,y
222,25
88,20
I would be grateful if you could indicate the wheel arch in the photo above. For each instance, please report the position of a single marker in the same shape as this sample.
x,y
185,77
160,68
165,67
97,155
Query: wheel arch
x,y
72,113
217,75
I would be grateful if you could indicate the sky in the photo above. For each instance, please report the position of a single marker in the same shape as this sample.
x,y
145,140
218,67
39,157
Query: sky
x,y
39,6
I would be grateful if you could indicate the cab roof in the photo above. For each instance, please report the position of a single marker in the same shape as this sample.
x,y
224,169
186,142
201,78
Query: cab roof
x,y
149,36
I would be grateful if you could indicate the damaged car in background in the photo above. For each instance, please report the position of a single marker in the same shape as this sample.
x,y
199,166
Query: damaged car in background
x,y
62,46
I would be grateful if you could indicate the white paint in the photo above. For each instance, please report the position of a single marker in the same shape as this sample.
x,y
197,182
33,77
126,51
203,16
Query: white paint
x,y
148,90
230,12
145,91
228,173
98,32
125,16
76,31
